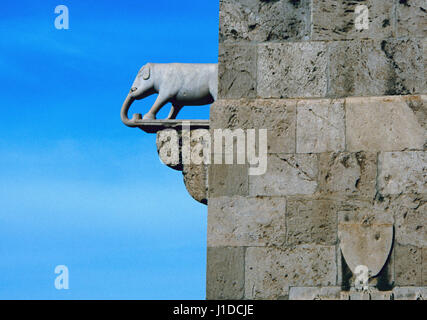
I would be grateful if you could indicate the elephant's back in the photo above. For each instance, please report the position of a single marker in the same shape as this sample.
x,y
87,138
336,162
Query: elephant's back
x,y
194,83
189,67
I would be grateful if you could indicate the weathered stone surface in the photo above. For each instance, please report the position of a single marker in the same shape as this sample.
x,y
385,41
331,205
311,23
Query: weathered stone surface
x,y
286,175
424,43
418,104
310,169
312,221
402,172
168,144
228,180
366,239
424,267
320,126
277,116
237,71
315,293
270,272
376,68
169,147
292,70
348,173
254,20
408,265
385,123
410,218
335,20
195,180
406,66
240,221
225,273
410,293
411,18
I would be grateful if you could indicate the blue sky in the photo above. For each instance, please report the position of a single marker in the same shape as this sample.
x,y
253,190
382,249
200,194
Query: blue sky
x,y
77,187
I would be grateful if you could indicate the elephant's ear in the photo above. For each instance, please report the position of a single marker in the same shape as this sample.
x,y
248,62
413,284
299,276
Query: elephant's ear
x,y
146,72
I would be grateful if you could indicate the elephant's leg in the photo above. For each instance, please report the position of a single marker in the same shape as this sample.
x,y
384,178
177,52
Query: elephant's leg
x,y
160,102
174,111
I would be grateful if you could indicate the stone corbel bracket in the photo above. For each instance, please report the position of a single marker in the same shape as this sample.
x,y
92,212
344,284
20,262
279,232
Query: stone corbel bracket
x,y
170,137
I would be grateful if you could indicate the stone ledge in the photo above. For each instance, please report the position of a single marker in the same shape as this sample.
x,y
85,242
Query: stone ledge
x,y
154,126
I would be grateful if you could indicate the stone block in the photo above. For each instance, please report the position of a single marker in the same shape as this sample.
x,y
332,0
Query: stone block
x,y
270,272
410,218
386,123
320,126
287,174
418,105
277,116
225,273
408,265
224,114
292,70
348,173
410,293
260,21
336,20
411,18
315,293
406,66
240,221
376,68
402,172
312,221
228,180
237,71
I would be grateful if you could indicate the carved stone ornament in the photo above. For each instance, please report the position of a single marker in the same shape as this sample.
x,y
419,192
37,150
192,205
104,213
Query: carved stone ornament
x,y
181,85
178,83
366,239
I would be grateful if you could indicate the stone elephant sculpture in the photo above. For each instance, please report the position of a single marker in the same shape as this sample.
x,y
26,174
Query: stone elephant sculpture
x,y
178,83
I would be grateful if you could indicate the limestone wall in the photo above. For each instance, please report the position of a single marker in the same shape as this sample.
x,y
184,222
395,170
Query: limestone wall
x,y
346,112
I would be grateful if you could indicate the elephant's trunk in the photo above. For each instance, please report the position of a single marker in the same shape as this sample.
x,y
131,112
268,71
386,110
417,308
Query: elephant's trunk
x,y
125,109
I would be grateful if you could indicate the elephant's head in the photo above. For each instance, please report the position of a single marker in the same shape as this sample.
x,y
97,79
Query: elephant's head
x,y
142,87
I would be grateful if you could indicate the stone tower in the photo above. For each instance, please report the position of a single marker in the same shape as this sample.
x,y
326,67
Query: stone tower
x,y
340,86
